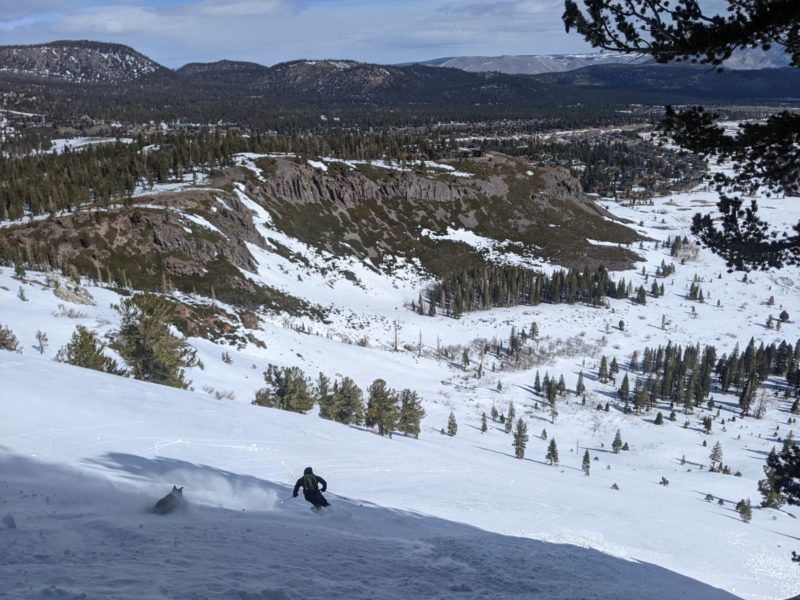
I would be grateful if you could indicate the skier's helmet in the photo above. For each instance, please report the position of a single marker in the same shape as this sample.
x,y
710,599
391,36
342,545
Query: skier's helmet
x,y
308,471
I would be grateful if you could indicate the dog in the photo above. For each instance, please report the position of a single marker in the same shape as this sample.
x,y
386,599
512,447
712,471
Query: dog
x,y
170,502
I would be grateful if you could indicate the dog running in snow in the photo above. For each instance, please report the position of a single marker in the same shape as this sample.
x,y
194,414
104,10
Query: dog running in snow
x,y
170,502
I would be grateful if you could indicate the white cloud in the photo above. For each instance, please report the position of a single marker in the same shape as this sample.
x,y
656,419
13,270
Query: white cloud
x,y
116,19
12,10
243,8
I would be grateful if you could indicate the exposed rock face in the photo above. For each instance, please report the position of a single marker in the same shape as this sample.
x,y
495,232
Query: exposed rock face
x,y
374,211
302,184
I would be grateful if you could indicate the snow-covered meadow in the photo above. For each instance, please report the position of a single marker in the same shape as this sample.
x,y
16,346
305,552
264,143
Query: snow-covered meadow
x,y
84,453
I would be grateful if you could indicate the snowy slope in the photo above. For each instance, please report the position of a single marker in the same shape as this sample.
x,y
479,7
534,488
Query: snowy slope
x,y
84,531
457,516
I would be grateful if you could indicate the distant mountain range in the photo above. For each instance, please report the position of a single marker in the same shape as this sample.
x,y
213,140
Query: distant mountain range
x,y
121,76
535,64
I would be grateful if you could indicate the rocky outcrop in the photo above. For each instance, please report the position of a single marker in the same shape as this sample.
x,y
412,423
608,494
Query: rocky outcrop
x,y
303,184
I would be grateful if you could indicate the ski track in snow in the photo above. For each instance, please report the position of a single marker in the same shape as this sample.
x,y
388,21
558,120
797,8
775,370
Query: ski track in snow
x,y
83,455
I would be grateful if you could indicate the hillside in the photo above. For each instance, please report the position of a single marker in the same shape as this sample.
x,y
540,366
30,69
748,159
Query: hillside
x,y
78,62
82,526
456,515
203,239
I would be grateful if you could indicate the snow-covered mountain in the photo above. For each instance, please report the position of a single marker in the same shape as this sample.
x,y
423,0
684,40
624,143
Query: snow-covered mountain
x,y
84,455
78,62
534,64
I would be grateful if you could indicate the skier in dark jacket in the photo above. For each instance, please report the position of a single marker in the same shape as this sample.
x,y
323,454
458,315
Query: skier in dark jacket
x,y
309,482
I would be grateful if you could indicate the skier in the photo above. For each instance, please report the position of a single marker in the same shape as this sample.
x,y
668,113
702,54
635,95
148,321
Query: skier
x,y
311,492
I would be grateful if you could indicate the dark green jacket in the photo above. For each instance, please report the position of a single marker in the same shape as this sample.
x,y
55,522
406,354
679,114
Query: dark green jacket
x,y
309,483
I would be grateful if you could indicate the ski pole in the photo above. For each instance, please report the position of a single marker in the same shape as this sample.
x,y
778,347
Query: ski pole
x,y
343,498
285,499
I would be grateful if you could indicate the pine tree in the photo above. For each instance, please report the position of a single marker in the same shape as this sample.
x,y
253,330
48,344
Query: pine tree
x,y
552,453
494,413
287,388
324,394
707,424
602,373
767,486
382,409
586,464
659,419
786,473
616,445
452,426
411,413
147,345
85,350
512,413
747,395
613,367
484,425
624,389
745,510
8,341
520,438
537,384
348,402
716,455
580,388
41,341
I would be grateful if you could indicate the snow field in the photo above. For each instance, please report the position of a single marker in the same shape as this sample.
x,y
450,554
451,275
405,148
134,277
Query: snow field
x,y
140,439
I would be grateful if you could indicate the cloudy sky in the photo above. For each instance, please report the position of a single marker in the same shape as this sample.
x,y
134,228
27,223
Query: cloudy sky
x,y
174,32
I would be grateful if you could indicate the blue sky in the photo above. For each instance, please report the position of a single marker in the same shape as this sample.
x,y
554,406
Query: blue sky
x,y
174,32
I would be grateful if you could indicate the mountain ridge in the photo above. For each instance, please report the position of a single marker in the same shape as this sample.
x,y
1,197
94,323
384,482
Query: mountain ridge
x,y
110,78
